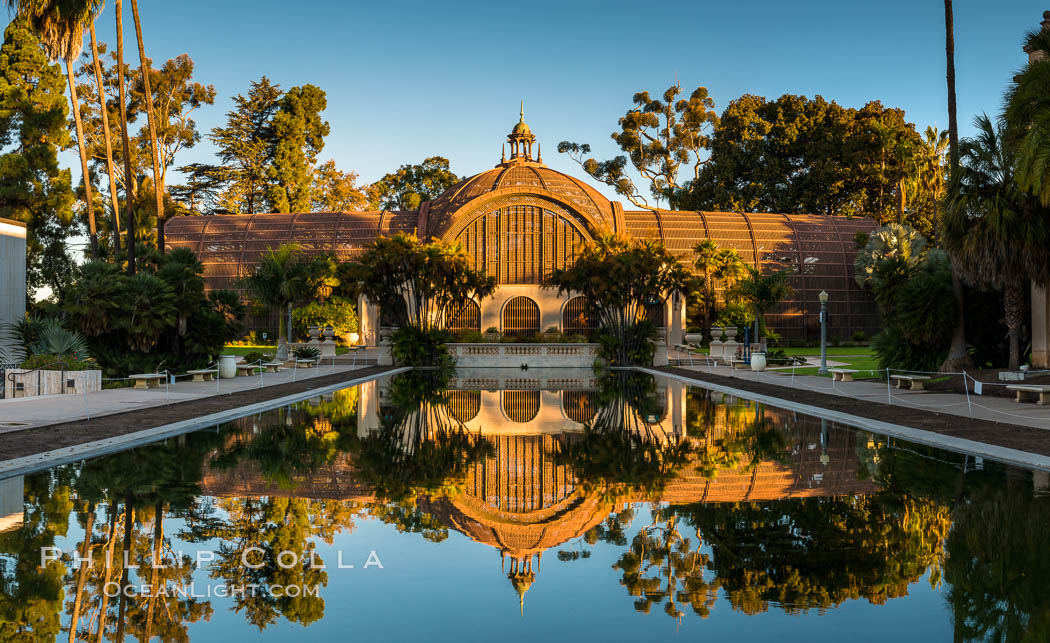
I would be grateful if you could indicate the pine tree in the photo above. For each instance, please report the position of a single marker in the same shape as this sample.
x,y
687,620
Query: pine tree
x,y
298,137
246,147
33,128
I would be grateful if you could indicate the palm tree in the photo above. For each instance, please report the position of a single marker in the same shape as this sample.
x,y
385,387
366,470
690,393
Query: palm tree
x,y
158,180
282,278
762,293
129,193
930,176
104,111
706,253
957,355
998,234
59,25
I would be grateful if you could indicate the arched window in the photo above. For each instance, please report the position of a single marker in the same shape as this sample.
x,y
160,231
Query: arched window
x,y
654,312
521,244
521,317
464,404
576,317
520,406
579,406
467,317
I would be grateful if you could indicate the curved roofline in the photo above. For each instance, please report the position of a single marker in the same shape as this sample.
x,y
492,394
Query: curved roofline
x,y
459,219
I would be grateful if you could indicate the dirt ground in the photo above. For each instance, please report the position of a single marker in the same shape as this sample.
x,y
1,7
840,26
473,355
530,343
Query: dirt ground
x,y
1006,435
17,444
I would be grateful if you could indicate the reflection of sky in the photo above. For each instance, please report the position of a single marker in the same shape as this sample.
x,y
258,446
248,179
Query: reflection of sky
x,y
454,591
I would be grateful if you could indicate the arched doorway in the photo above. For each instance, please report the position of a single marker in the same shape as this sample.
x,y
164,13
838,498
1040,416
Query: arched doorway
x,y
464,404
466,318
576,318
521,317
520,406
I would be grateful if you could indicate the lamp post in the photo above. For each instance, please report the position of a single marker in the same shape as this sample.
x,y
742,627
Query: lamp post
x,y
823,296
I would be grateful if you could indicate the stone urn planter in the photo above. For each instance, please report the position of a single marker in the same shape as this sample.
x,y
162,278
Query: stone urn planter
x,y
228,366
352,338
730,334
694,338
758,361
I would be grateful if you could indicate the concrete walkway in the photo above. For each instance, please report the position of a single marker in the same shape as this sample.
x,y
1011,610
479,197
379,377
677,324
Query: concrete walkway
x,y
980,407
28,412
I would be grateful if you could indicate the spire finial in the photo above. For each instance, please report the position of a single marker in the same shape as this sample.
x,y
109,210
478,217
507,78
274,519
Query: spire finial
x,y
521,114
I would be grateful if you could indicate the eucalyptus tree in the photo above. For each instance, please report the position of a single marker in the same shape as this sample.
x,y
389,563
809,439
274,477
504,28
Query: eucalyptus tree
x,y
998,234
59,25
662,137
158,180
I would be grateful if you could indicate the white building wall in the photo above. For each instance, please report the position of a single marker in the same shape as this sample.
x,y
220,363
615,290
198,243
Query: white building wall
x,y
12,276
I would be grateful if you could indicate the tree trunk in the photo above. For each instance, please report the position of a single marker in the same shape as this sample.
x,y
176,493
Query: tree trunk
x,y
82,148
82,573
957,359
1014,309
158,541
126,554
103,610
106,135
129,175
158,180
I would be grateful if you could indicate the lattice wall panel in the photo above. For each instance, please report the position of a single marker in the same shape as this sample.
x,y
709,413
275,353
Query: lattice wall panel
x,y
521,317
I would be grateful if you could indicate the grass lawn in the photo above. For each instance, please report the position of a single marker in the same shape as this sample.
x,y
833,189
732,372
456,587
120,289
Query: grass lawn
x,y
244,350
858,358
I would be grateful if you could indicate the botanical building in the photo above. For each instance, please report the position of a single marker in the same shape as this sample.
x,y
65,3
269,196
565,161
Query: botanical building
x,y
521,219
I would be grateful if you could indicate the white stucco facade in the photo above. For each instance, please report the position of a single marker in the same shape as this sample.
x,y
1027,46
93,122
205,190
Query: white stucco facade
x,y
12,277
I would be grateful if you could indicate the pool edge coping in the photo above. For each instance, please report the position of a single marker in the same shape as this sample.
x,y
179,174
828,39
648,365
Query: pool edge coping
x,y
96,448
1006,455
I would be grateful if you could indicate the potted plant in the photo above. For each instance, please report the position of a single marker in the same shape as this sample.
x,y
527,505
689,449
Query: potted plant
x,y
491,334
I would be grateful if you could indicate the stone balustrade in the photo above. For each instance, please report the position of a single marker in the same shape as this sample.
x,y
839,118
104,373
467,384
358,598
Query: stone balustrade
x,y
530,355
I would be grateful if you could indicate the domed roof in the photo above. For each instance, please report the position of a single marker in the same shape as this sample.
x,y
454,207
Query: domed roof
x,y
521,128
524,177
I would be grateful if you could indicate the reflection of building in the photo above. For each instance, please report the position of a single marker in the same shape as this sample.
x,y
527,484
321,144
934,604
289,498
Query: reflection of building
x,y
521,219
522,499
11,507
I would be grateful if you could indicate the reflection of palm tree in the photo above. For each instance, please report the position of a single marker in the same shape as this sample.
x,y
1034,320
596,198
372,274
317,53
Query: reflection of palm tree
x,y
625,446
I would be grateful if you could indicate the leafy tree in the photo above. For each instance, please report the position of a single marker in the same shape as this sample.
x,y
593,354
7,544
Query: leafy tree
x,y
416,283
245,147
298,133
892,241
410,185
619,277
33,189
998,234
1027,118
151,304
335,191
660,136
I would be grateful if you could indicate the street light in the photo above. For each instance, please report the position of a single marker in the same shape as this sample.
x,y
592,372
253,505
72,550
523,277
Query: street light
x,y
823,296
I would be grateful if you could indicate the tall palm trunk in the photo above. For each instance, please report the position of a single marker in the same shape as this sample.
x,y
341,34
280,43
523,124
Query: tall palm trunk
x,y
1014,310
114,202
82,147
82,573
158,543
158,178
126,553
957,356
129,175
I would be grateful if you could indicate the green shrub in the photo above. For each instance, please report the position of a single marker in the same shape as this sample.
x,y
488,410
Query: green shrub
x,y
337,312
893,350
858,336
258,356
412,346
469,337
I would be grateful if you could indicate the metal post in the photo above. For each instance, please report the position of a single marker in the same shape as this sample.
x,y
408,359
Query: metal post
x,y
966,387
823,370
889,395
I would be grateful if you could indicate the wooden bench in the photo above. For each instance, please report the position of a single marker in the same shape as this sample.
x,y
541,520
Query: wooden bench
x,y
247,369
273,367
842,374
916,381
1026,390
148,380
204,374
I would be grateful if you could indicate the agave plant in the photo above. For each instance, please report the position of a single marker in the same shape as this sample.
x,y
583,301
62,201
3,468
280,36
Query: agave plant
x,y
307,352
55,344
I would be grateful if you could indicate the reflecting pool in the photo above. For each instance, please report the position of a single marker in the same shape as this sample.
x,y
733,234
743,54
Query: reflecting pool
x,y
523,507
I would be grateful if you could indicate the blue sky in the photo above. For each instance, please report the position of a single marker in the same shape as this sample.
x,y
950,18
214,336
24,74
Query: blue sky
x,y
407,79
